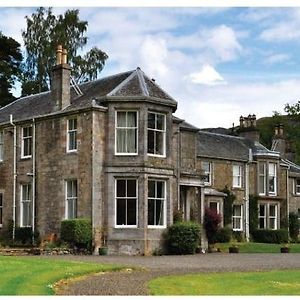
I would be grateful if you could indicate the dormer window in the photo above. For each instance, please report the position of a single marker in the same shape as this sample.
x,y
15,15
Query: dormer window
x,y
126,132
156,134
26,147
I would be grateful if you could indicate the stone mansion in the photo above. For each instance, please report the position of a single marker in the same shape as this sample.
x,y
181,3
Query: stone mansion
x,y
111,150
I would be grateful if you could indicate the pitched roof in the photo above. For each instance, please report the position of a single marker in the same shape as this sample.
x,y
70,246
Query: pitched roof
x,y
230,147
128,84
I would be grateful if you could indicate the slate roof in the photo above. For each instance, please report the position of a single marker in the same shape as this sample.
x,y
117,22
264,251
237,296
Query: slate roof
x,y
214,145
133,84
292,166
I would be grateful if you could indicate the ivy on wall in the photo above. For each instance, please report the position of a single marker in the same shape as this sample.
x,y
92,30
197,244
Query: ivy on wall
x,y
227,209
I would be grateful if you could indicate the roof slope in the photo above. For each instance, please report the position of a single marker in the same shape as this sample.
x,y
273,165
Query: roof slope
x,y
132,84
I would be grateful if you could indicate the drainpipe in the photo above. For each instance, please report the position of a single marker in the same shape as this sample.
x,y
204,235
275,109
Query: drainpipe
x,y
14,176
247,185
287,198
33,178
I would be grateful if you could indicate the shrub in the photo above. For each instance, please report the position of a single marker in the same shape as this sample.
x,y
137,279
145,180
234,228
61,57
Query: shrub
x,y
183,237
177,216
77,232
212,222
25,236
238,236
293,226
227,209
270,236
223,235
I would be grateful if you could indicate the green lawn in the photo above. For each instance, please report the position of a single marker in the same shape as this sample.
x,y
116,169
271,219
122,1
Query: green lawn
x,y
36,276
257,247
286,282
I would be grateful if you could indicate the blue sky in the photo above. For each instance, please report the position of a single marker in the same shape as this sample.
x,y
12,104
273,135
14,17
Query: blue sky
x,y
218,63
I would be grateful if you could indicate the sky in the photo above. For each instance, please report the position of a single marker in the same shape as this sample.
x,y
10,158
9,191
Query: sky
x,y
218,63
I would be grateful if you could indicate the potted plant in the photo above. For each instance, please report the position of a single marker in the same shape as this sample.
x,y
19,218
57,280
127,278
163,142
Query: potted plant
x,y
103,250
285,249
234,249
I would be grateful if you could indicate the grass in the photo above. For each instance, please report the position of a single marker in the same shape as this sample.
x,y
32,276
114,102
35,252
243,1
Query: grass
x,y
36,276
257,247
285,282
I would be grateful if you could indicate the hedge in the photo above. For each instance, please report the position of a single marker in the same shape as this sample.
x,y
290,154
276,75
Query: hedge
x,y
270,236
223,235
293,226
77,232
183,238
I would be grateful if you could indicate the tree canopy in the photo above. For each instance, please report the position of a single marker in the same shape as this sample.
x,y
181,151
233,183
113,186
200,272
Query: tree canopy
x,y
10,61
43,33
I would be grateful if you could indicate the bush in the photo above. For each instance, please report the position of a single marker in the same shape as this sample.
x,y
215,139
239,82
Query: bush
x,y
24,235
293,226
253,213
223,235
212,222
270,236
77,232
177,216
239,236
183,238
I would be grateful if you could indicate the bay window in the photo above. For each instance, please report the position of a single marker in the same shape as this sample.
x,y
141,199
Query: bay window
x,y
261,178
126,202
268,216
126,132
156,134
156,203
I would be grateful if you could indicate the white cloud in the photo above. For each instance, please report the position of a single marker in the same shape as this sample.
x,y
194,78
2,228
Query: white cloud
x,y
277,58
207,76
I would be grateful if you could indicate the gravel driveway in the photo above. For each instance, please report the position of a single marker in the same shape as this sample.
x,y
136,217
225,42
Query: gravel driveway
x,y
130,282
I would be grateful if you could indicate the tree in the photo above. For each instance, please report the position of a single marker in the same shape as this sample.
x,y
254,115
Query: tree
x,y
212,221
10,61
43,33
292,109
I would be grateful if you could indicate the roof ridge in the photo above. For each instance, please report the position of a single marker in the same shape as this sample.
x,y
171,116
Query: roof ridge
x,y
221,134
142,82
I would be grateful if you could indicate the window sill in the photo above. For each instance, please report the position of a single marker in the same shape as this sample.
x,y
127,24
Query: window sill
x,y
156,155
238,188
156,227
26,157
72,152
126,227
126,154
237,230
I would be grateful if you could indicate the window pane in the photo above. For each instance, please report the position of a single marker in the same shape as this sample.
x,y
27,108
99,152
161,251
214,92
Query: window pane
x,y
271,184
121,188
131,212
272,223
151,212
131,188
121,119
159,212
151,120
121,140
151,189
160,189
206,166
261,223
160,124
131,140
261,183
237,210
151,142
121,212
159,147
131,119
261,210
213,206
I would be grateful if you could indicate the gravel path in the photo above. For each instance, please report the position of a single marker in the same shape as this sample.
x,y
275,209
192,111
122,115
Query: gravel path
x,y
130,282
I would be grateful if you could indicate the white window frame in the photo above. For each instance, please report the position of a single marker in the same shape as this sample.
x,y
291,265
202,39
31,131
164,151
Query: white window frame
x,y
237,217
70,132
1,146
136,128
163,131
267,217
29,137
262,175
272,193
136,198
296,186
164,199
207,173
22,201
73,198
1,208
238,175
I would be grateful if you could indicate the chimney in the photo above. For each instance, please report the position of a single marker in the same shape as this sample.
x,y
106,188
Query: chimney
x,y
248,128
279,141
60,83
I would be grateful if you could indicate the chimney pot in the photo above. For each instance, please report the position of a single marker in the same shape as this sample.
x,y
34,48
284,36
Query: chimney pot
x,y
58,54
64,56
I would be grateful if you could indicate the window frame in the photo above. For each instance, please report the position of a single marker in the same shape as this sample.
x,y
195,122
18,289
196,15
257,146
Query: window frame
x,y
272,193
267,216
25,138
127,128
295,187
22,201
207,173
239,176
71,198
218,205
1,208
69,132
237,217
164,199
126,197
1,145
264,176
164,133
